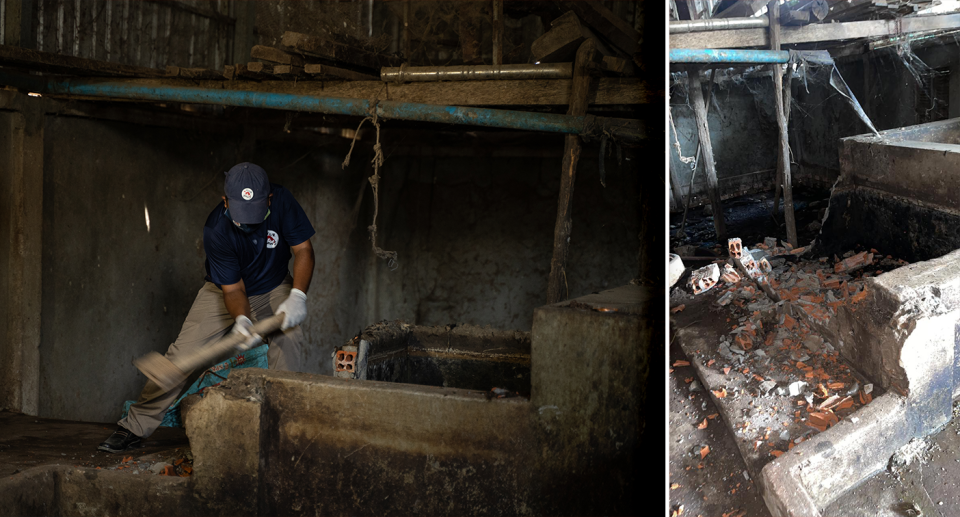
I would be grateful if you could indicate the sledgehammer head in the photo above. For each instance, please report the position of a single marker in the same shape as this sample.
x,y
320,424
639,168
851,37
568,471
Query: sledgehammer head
x,y
160,370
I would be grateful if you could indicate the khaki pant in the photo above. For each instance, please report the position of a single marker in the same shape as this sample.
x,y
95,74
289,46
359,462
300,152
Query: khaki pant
x,y
207,322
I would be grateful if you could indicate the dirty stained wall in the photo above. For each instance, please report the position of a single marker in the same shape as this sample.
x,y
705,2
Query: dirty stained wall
x,y
473,233
889,94
474,236
743,134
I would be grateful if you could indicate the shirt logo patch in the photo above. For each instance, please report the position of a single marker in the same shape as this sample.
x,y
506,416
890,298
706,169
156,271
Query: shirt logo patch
x,y
272,239
247,194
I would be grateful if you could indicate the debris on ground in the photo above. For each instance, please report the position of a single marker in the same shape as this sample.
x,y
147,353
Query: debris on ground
x,y
916,450
777,350
178,462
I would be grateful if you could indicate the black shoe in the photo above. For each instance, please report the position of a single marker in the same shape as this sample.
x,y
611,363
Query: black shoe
x,y
119,441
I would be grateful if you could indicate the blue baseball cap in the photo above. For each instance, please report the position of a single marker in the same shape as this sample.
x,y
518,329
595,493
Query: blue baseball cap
x,y
247,189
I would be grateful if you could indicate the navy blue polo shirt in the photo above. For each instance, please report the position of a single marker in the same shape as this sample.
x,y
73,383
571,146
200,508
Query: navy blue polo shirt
x,y
259,258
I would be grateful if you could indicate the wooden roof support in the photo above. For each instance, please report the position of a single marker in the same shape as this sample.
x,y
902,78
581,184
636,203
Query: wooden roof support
x,y
783,145
706,150
557,283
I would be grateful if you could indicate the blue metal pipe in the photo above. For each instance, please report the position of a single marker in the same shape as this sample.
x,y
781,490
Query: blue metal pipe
x,y
706,56
120,89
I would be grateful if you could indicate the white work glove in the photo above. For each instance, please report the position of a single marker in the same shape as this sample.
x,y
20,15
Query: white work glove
x,y
244,327
294,309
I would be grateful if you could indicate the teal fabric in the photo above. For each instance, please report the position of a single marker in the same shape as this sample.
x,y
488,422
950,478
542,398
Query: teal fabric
x,y
213,376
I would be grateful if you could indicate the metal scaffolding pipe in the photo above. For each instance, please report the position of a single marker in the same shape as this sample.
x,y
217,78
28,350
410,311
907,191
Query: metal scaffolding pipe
x,y
707,56
625,129
718,24
406,74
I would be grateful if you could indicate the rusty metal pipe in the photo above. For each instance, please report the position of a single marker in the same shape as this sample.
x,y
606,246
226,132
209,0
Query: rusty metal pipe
x,y
407,74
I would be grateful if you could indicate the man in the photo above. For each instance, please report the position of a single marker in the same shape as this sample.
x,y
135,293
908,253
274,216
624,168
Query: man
x,y
248,240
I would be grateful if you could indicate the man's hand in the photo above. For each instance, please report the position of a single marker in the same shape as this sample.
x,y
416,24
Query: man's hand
x,y
243,326
294,309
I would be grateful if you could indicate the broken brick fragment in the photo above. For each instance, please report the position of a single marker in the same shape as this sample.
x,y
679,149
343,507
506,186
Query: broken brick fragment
x,y
735,247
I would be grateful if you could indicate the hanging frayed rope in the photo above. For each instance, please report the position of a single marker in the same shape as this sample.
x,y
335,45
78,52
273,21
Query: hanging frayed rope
x,y
390,256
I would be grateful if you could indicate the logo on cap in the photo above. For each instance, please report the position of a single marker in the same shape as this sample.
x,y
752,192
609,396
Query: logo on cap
x,y
247,194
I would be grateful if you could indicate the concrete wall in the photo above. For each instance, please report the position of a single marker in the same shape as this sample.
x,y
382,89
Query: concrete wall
x,y
473,232
886,90
743,134
381,448
475,236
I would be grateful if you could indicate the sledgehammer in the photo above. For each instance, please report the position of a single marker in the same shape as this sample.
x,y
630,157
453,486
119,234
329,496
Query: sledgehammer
x,y
169,374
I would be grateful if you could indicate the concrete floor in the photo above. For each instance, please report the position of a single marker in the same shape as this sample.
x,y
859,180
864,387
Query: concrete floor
x,y
714,485
27,442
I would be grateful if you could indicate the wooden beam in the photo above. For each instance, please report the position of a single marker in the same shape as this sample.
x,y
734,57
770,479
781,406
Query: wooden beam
x,y
497,23
194,73
603,21
815,32
287,71
557,283
337,52
275,55
47,62
530,92
783,145
332,72
558,44
242,70
706,150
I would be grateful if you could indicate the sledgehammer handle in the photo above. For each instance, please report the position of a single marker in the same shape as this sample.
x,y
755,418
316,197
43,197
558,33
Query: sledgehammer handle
x,y
168,374
227,343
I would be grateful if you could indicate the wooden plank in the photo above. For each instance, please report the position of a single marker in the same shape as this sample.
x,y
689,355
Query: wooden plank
x,y
47,62
530,92
260,68
814,33
557,282
336,52
275,55
243,70
558,44
194,73
706,148
332,72
497,24
783,145
603,21
287,71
